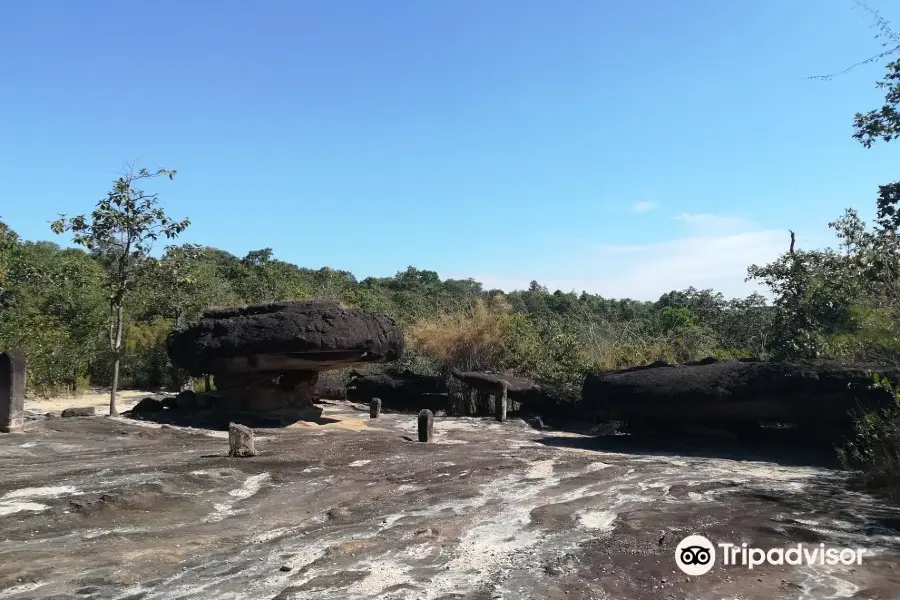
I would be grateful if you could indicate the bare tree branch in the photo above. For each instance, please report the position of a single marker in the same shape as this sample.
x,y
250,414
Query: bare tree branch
x,y
884,31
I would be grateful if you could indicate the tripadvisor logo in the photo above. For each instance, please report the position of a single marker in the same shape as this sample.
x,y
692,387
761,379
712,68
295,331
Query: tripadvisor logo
x,y
696,555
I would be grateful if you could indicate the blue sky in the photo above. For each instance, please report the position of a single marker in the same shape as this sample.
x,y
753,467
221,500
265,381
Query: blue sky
x,y
625,148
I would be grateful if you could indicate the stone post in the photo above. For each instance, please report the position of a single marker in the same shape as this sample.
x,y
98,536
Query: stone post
x,y
240,440
375,408
426,425
500,401
12,392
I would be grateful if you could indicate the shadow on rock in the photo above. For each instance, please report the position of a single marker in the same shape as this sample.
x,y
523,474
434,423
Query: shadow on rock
x,y
219,420
777,446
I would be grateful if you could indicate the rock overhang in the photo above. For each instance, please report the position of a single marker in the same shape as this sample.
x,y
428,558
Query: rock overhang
x,y
284,336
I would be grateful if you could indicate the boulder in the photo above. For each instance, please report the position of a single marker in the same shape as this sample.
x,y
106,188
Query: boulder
x,y
186,400
148,405
284,336
207,400
813,392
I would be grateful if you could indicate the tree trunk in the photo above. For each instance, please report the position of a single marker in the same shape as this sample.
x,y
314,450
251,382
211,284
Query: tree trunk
x,y
117,358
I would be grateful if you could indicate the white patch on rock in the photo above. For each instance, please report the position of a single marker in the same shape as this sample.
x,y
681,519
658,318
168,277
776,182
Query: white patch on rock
x,y
50,491
250,487
15,506
540,469
359,463
20,500
597,519
20,589
821,583
597,466
383,575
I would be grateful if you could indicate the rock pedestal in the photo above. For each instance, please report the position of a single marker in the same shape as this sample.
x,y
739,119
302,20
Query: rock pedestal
x,y
12,392
268,392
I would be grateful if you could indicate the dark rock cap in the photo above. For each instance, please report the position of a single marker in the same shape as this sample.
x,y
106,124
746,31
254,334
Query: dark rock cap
x,y
283,336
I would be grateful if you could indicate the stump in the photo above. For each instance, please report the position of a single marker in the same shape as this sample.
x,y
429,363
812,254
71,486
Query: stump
x,y
375,408
12,392
240,440
426,425
500,401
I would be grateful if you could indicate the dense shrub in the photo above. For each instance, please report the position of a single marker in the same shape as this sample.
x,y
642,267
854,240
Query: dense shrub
x,y
874,449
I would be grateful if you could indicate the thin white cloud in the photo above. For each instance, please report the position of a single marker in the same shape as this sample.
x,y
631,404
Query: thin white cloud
x,y
714,253
643,206
710,221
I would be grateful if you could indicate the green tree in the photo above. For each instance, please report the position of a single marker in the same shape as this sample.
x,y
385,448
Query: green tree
x,y
123,228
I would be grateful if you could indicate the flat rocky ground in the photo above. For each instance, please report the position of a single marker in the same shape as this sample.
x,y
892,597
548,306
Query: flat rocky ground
x,y
118,509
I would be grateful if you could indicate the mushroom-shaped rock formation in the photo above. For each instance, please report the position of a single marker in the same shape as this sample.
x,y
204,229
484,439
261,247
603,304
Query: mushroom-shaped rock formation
x,y
267,357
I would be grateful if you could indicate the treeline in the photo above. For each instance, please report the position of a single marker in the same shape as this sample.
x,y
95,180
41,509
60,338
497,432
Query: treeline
x,y
56,307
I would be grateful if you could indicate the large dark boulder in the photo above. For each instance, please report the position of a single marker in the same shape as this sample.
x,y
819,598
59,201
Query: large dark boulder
x,y
148,405
734,391
284,336
400,390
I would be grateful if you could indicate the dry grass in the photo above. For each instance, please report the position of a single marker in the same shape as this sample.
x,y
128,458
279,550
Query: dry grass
x,y
476,338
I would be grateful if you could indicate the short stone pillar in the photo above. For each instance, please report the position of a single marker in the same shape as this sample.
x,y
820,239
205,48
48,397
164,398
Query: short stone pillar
x,y
375,408
426,425
240,440
12,392
500,402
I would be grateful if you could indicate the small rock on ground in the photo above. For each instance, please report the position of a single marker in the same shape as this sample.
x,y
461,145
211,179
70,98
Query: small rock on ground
x,y
79,411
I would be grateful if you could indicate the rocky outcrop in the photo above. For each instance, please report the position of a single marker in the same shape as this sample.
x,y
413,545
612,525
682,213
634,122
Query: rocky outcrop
x,y
518,389
399,390
268,357
730,391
